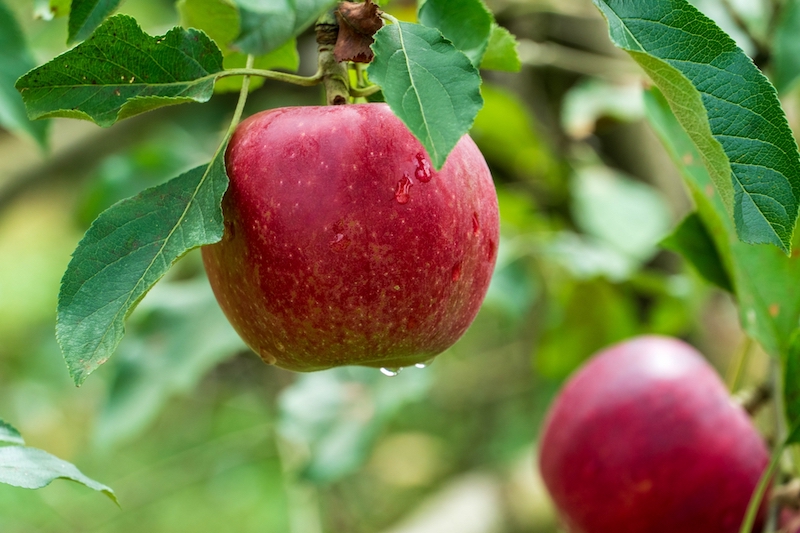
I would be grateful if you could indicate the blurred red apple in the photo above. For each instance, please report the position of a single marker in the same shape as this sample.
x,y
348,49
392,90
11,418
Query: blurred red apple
x,y
644,438
343,246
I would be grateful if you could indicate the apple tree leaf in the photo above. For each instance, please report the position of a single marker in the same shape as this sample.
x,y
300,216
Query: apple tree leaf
x,y
120,71
786,53
501,53
433,87
31,468
9,434
15,60
125,252
761,275
692,240
466,23
268,25
86,15
728,108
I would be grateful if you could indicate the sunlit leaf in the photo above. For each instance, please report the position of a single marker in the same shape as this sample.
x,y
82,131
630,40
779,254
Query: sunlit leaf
x,y
728,108
86,15
466,23
120,72
501,53
428,83
125,252
762,276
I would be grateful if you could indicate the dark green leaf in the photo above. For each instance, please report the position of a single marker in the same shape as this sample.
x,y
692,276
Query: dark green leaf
x,y
268,25
9,434
692,241
501,53
125,252
31,468
431,86
762,276
15,60
466,23
786,54
791,387
725,104
86,15
120,72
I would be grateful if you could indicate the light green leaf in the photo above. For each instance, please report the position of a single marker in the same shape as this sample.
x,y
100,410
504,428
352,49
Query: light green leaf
x,y
431,86
692,240
268,25
120,72
9,434
86,15
501,53
219,19
50,9
466,23
15,60
786,47
728,108
125,252
762,276
31,468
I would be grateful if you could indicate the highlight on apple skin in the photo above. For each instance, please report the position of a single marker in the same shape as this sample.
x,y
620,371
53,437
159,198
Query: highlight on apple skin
x,y
645,437
342,244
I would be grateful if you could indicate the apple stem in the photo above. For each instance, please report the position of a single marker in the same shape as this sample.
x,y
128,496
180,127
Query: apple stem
x,y
334,74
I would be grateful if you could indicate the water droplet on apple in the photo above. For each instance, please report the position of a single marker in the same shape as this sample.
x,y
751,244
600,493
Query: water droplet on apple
x,y
401,194
475,224
391,372
456,272
267,357
423,172
424,364
491,251
280,347
340,242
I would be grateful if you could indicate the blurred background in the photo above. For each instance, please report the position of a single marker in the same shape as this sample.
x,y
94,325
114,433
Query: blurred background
x,y
195,433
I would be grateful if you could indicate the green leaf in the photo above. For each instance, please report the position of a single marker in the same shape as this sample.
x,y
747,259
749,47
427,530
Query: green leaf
x,y
786,46
692,240
15,60
125,252
466,23
762,276
501,53
268,25
725,104
31,468
431,86
219,19
9,434
120,72
791,388
86,15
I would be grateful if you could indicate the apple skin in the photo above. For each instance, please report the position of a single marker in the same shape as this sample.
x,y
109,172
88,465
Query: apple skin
x,y
342,244
644,438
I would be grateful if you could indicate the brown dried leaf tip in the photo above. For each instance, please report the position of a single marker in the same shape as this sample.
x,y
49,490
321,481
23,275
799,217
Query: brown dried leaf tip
x,y
358,22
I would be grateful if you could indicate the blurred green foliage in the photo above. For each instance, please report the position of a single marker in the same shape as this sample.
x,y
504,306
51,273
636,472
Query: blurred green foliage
x,y
194,433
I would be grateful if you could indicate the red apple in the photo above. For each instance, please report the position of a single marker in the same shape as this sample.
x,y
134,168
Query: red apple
x,y
644,438
343,246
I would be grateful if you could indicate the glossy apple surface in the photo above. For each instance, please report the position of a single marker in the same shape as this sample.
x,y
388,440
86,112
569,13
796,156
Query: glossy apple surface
x,y
644,438
343,246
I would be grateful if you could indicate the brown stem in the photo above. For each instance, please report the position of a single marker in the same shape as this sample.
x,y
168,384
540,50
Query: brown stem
x,y
335,77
